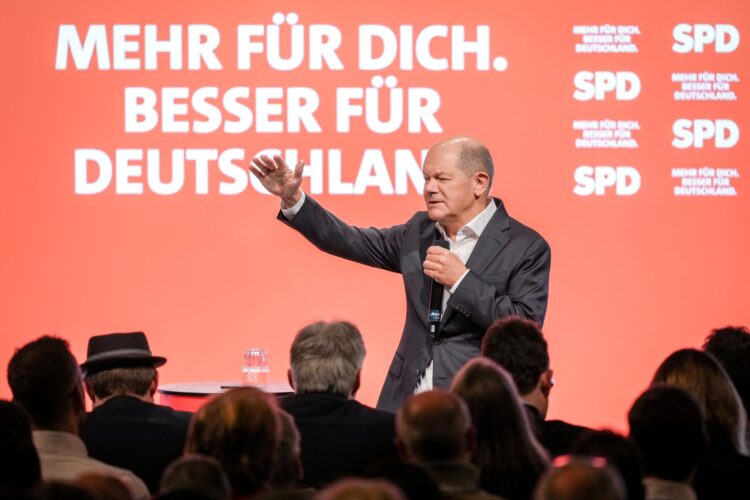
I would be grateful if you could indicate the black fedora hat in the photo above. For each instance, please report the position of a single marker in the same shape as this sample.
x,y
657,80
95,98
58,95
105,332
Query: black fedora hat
x,y
116,350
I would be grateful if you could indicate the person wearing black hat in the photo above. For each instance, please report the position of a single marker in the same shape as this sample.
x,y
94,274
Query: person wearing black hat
x,y
126,428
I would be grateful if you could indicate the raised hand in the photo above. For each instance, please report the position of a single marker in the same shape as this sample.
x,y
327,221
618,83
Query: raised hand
x,y
278,178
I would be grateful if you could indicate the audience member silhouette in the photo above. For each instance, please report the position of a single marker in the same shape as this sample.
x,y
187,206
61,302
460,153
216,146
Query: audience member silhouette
x,y
103,487
194,476
240,429
20,473
126,428
519,346
287,472
620,452
668,427
414,480
731,347
360,489
508,455
434,429
724,471
340,436
45,380
580,478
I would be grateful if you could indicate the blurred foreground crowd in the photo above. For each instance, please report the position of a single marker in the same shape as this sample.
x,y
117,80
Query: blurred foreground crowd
x,y
487,437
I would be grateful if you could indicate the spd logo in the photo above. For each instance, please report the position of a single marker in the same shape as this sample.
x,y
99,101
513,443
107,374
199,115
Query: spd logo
x,y
695,37
624,85
600,180
695,133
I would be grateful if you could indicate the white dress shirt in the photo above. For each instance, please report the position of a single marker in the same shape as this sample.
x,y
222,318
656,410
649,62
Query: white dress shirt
x,y
466,240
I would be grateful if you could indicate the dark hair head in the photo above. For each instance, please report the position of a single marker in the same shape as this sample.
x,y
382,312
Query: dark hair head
x,y
197,475
413,479
619,451
240,429
731,346
287,470
518,346
44,378
434,426
667,425
130,381
703,377
19,461
508,455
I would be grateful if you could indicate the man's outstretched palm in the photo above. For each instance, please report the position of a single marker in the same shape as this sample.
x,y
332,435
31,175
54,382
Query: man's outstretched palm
x,y
277,177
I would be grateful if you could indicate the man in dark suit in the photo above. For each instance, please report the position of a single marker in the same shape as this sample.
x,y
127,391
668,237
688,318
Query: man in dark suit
x,y
126,428
519,346
339,436
495,267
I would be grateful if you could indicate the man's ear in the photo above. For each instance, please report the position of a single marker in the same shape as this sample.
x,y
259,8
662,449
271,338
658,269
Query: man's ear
x,y
289,378
88,390
547,382
356,383
481,182
78,399
154,384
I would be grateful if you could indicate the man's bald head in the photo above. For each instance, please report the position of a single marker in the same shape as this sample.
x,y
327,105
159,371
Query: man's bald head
x,y
471,155
435,426
579,480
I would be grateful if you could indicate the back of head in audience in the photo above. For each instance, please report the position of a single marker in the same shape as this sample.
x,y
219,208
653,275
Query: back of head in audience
x,y
327,357
197,475
120,364
240,429
19,462
704,378
287,471
103,487
580,479
414,481
667,425
435,426
518,346
620,452
360,489
731,346
44,378
508,455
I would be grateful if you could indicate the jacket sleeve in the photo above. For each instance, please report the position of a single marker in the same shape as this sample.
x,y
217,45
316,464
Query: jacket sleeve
x,y
370,246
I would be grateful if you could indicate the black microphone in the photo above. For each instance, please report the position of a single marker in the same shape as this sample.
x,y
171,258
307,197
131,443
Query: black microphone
x,y
436,295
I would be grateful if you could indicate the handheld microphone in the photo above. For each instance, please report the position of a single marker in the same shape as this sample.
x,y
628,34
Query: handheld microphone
x,y
436,296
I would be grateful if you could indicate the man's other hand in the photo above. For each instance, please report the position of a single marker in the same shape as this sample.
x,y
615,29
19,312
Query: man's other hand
x,y
278,178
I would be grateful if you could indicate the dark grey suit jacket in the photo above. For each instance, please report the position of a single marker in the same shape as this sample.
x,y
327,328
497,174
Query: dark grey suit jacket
x,y
509,275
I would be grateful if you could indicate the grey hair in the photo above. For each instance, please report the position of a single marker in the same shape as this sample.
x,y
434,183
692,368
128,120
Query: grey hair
x,y
475,157
325,357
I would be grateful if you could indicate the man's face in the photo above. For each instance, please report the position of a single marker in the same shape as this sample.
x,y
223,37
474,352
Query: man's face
x,y
449,192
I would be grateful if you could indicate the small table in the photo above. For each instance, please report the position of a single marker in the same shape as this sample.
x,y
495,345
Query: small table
x,y
190,396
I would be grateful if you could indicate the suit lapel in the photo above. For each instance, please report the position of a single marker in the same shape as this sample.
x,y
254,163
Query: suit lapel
x,y
490,243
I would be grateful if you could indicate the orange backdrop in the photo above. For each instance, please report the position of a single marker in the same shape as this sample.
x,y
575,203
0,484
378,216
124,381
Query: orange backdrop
x,y
634,276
